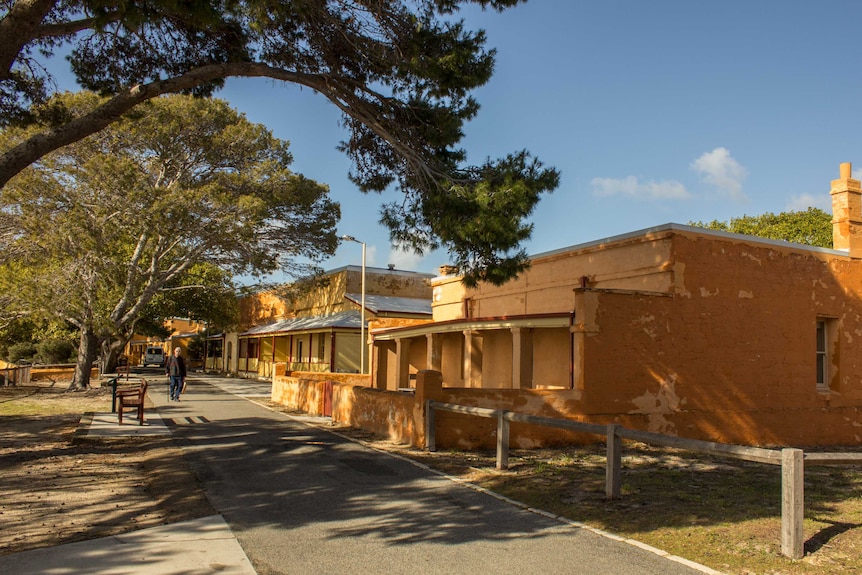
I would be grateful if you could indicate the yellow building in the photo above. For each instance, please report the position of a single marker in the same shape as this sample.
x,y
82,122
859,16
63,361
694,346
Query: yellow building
x,y
319,329
183,330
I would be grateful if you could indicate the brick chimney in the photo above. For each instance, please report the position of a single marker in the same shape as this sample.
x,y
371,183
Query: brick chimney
x,y
847,212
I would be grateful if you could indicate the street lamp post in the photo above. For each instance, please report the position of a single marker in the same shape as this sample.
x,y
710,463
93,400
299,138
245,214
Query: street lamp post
x,y
362,308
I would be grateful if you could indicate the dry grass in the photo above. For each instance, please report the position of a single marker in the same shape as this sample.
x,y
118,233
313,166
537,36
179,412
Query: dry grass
x,y
54,490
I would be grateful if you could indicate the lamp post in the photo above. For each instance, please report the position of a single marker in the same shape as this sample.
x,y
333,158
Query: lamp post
x,y
362,308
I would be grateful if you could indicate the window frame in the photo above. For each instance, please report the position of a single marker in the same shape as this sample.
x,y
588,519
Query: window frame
x,y
826,338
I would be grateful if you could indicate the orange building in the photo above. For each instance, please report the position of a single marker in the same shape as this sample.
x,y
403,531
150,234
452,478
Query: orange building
x,y
674,329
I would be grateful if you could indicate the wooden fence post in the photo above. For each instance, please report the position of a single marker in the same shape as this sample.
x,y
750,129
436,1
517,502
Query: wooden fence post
x,y
613,473
792,503
430,440
429,385
502,440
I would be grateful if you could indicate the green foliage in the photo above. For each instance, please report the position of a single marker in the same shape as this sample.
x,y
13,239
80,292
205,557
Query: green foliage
x,y
34,333
205,293
19,329
22,351
187,193
195,349
55,351
812,227
400,72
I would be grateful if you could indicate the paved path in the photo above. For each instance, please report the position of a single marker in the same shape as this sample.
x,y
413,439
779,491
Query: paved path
x,y
301,500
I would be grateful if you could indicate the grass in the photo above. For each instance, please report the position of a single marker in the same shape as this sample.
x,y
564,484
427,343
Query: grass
x,y
47,399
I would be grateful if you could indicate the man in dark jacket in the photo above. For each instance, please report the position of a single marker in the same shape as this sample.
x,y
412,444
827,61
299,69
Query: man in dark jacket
x,y
175,368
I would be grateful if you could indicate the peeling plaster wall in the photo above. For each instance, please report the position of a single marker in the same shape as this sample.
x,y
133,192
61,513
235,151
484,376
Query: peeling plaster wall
x,y
731,357
389,414
260,308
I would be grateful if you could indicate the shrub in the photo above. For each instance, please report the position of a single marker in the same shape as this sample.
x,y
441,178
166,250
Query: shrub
x,y
55,351
19,351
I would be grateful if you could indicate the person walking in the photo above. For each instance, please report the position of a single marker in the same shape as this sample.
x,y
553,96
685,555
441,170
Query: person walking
x,y
175,369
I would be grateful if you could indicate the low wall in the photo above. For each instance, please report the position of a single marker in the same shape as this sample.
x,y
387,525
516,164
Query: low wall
x,y
302,394
348,378
56,373
385,413
400,416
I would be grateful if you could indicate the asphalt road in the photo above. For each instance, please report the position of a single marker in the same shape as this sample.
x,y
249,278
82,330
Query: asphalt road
x,y
304,501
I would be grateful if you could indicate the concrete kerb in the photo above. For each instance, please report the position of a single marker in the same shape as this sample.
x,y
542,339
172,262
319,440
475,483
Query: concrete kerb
x,y
325,423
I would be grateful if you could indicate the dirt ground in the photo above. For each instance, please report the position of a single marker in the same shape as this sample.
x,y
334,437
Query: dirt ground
x,y
57,489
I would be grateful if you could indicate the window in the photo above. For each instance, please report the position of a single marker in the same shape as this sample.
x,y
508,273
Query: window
x,y
321,346
826,350
822,356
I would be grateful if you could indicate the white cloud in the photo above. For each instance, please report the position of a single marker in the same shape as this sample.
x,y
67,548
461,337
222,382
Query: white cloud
x,y
719,169
631,187
805,201
404,260
370,255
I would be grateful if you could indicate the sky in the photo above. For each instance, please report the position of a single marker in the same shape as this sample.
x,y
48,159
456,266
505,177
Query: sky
x,y
653,112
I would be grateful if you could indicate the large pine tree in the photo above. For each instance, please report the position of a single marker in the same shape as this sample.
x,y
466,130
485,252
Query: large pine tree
x,y
400,71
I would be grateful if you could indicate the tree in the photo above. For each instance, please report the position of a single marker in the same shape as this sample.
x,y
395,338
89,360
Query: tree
x,y
400,72
29,333
812,227
94,231
204,292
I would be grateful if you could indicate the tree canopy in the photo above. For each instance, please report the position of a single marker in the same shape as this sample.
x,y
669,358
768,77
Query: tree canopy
x,y
401,73
93,232
812,226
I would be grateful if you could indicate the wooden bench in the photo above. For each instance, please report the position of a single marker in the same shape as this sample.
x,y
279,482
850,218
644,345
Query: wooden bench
x,y
132,398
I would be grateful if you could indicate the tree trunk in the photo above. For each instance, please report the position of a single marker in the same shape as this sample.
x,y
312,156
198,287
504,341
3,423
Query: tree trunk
x,y
87,348
111,350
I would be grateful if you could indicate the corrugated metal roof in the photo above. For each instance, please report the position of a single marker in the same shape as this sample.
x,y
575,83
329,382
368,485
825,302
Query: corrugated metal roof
x,y
345,319
392,304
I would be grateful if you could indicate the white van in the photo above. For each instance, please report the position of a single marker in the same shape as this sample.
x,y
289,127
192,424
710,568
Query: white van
x,y
154,356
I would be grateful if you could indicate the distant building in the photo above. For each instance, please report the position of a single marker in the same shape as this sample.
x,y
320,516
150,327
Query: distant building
x,y
183,330
318,328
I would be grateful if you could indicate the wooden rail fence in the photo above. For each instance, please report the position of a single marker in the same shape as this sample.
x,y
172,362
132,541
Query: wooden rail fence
x,y
791,460
15,375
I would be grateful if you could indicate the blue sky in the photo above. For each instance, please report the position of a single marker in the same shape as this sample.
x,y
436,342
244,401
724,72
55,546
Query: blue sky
x,y
654,112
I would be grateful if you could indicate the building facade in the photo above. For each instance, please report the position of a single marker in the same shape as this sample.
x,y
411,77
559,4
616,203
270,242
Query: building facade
x,y
318,327
674,329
